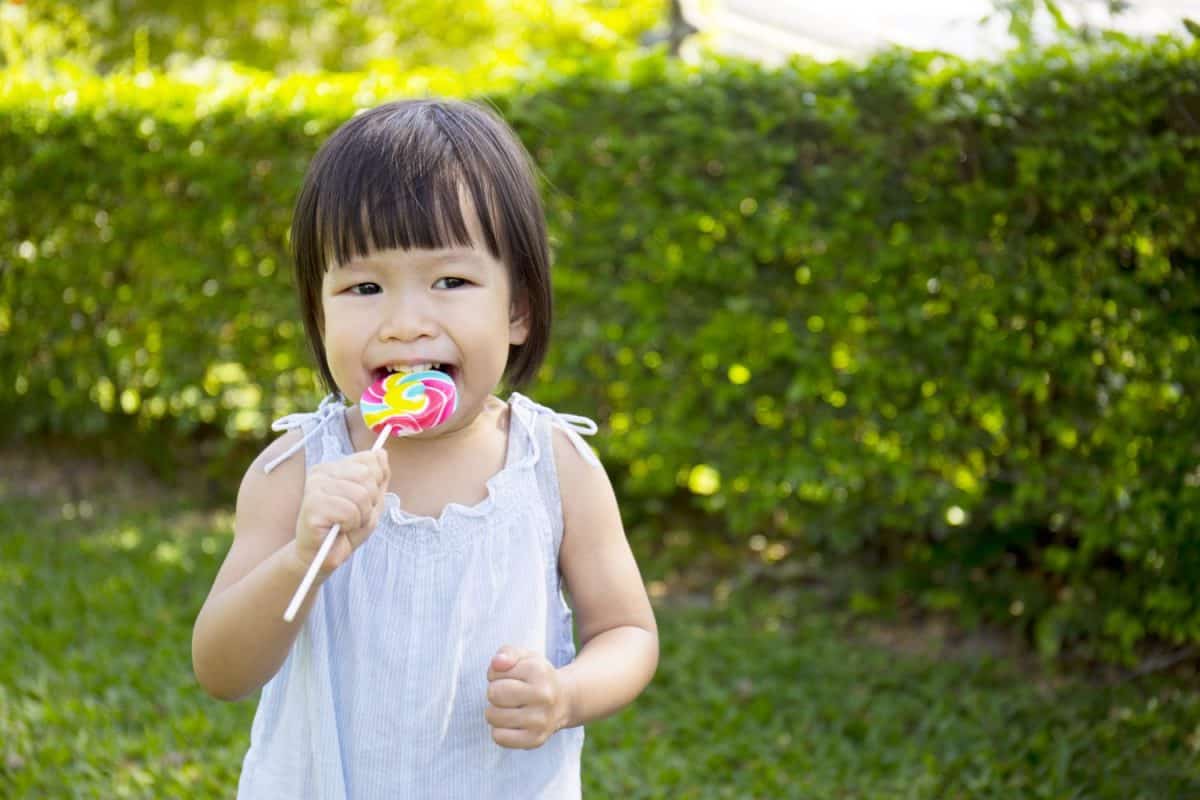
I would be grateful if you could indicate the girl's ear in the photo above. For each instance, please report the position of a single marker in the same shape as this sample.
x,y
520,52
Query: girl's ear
x,y
518,322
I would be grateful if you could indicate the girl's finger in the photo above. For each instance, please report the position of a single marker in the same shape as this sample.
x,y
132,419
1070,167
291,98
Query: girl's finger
x,y
505,717
364,496
348,469
355,490
509,693
330,511
343,511
385,470
514,739
359,535
506,658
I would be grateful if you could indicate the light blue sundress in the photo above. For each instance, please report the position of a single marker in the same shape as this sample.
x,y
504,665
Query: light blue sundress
x,y
383,692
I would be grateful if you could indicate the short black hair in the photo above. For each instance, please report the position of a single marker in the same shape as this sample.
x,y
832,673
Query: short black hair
x,y
393,177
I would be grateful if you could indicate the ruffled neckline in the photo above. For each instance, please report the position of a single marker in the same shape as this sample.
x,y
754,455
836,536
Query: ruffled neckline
x,y
519,456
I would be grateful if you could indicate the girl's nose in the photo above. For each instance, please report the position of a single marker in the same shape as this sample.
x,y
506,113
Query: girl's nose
x,y
406,320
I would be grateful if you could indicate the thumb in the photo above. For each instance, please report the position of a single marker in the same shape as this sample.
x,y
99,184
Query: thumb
x,y
505,659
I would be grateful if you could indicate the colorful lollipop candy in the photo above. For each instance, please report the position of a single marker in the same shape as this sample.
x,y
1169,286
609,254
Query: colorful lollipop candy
x,y
409,403
398,404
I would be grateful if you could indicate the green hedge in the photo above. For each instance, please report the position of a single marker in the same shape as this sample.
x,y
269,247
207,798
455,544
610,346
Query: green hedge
x,y
938,312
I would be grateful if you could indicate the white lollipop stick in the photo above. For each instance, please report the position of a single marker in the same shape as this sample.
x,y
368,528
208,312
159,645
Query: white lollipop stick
x,y
323,553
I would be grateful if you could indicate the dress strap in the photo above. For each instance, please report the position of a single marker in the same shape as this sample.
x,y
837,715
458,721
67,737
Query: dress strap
x,y
573,424
329,408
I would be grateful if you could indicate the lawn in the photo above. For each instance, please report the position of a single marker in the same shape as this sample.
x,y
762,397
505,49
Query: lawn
x,y
763,693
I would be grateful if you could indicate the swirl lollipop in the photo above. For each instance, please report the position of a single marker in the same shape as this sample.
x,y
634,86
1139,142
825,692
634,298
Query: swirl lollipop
x,y
409,403
398,404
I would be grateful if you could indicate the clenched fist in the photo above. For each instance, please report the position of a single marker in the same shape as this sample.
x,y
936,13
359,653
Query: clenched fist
x,y
527,701
347,492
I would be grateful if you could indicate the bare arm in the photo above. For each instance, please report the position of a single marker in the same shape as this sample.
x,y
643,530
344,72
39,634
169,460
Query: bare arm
x,y
240,639
617,631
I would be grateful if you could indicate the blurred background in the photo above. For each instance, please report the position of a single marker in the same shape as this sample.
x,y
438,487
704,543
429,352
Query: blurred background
x,y
888,317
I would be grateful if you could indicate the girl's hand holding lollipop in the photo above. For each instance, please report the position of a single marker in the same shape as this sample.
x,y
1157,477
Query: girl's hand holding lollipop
x,y
347,496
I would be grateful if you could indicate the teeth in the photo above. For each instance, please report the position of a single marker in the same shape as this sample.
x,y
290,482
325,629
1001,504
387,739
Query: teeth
x,y
405,369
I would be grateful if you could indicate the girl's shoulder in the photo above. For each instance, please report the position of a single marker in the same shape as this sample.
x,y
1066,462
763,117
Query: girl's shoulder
x,y
273,477
578,473
573,458
268,502
283,463
273,485
274,458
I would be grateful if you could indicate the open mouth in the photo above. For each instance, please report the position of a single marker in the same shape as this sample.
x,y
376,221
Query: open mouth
x,y
404,369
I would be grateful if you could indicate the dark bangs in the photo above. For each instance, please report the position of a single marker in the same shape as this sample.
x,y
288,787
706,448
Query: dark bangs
x,y
396,177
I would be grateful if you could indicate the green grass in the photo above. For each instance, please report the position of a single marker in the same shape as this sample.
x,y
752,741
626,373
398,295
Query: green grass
x,y
764,695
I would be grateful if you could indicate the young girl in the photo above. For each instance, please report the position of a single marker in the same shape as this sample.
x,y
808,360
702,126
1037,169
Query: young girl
x,y
434,655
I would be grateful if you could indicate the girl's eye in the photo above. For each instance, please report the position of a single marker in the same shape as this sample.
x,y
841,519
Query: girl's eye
x,y
449,283
365,288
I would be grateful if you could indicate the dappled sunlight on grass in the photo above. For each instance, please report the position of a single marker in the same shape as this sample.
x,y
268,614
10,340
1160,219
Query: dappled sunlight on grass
x,y
101,694
762,697
181,542
762,690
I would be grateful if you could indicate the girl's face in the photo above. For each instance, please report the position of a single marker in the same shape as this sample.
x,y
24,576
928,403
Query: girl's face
x,y
451,309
